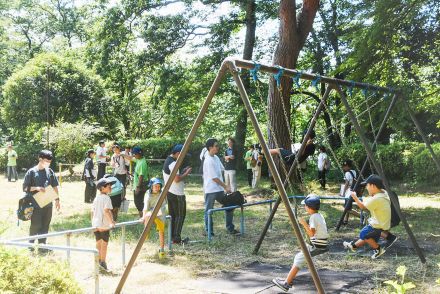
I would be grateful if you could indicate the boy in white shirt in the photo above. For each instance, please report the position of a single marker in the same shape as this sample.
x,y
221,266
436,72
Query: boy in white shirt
x,y
323,166
102,218
316,229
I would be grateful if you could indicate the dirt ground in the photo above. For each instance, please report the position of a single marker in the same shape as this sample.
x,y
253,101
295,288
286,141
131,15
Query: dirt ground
x,y
227,265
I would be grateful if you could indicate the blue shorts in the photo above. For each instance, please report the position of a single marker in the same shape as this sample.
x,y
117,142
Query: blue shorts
x,y
368,232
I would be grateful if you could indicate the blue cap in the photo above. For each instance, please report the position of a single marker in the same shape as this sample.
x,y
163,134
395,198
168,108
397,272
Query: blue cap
x,y
177,148
155,181
136,150
104,181
312,201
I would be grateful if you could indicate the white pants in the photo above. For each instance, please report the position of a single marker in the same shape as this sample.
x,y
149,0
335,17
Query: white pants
x,y
230,179
256,174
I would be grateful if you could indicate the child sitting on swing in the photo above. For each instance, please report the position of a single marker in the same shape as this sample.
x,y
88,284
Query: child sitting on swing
x,y
288,156
316,229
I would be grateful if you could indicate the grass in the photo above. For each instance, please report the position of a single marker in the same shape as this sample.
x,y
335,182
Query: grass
x,y
226,252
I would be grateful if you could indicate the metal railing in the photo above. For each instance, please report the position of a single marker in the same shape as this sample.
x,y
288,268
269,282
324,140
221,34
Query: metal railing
x,y
269,201
21,242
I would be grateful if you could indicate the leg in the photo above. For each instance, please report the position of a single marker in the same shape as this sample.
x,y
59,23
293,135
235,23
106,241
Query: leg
x,y
139,201
249,176
103,252
228,178
181,215
229,215
9,169
233,179
274,151
254,177
46,219
173,211
292,274
14,169
209,204
36,222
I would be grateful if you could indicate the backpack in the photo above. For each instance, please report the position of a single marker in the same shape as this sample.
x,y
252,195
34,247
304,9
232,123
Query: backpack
x,y
395,219
25,208
253,161
359,189
232,199
116,187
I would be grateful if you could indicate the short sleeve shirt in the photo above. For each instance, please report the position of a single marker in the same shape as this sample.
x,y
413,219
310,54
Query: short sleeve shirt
x,y
380,208
322,157
349,177
118,163
141,169
231,163
246,157
35,177
212,168
318,223
168,166
100,203
101,151
12,158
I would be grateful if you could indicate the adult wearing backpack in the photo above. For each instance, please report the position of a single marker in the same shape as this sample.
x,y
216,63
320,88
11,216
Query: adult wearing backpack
x,y
37,179
176,194
214,186
350,178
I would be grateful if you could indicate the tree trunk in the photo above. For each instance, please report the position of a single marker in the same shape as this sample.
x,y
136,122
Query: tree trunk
x,y
293,32
249,44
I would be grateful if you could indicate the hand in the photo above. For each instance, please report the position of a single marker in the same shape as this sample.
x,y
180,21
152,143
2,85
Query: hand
x,y
353,195
302,221
188,170
57,204
112,225
137,190
228,189
41,189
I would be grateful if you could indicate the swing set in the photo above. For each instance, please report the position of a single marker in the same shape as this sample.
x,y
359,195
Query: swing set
x,y
232,66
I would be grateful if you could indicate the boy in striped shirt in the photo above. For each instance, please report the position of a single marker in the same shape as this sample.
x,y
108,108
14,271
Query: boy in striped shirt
x,y
316,229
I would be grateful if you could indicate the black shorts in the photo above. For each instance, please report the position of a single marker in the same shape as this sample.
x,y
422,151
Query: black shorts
x,y
350,206
287,155
116,200
105,235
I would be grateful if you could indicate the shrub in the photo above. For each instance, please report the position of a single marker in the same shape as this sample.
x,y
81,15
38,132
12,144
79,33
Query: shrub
x,y
21,274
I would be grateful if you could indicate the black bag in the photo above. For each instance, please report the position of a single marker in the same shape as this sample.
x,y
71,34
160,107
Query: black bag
x,y
25,208
395,219
232,199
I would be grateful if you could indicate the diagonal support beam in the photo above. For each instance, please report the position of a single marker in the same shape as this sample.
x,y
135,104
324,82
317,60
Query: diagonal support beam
x,y
379,170
364,166
293,167
167,186
277,178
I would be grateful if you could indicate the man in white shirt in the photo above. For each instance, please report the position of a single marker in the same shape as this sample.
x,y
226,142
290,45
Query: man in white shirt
x,y
101,158
214,186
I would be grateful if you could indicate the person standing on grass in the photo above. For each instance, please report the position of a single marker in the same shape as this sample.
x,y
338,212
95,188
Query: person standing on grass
x,y
37,179
248,159
257,159
317,232
323,166
89,176
118,164
379,206
350,177
140,179
101,153
102,219
231,165
12,163
213,185
176,195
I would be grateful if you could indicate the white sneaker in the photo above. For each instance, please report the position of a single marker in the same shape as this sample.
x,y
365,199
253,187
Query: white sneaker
x,y
377,252
349,245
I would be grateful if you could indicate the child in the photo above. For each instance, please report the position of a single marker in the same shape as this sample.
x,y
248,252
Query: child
x,y
380,209
150,202
346,188
102,218
317,231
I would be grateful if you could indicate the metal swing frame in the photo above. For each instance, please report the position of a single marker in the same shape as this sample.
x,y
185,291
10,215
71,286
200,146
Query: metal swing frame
x,y
232,66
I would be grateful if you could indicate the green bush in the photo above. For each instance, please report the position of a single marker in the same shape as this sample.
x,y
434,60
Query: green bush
x,y
20,273
423,166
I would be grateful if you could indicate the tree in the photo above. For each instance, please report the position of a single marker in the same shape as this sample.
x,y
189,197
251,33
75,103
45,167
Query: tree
x,y
50,88
293,32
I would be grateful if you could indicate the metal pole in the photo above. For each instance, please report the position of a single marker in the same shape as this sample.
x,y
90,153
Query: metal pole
x,y
276,176
61,178
364,166
170,243
242,221
377,166
209,225
293,167
96,273
123,245
422,134
68,245
179,161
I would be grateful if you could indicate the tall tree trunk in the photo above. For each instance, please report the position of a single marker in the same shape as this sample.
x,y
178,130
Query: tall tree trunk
x,y
293,32
249,44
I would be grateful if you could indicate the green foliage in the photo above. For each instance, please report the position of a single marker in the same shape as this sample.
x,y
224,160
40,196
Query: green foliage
x,y
22,274
50,88
402,287
27,155
70,141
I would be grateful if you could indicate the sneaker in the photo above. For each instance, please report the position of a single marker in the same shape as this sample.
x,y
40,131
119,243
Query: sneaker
x,y
377,252
349,245
161,254
281,283
103,265
234,232
390,241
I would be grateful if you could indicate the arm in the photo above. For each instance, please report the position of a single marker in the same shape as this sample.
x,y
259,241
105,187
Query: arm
x,y
109,216
310,231
345,188
219,182
358,202
180,178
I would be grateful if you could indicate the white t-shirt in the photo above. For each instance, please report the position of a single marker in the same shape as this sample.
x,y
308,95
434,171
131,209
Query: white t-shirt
x,y
127,161
175,188
118,163
322,158
212,168
317,222
100,203
348,177
101,151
